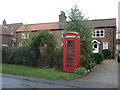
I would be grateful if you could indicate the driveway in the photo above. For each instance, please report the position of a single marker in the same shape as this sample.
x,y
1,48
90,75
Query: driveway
x,y
104,75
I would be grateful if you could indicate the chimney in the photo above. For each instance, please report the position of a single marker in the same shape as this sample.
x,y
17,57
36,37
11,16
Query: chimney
x,y
4,22
62,18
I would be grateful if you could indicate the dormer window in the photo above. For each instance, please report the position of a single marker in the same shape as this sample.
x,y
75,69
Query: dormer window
x,y
98,33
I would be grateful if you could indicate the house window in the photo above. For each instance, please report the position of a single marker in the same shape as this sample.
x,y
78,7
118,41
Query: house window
x,y
50,31
105,45
24,35
20,44
98,33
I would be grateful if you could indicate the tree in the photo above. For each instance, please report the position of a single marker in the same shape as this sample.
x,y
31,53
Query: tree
x,y
78,23
45,42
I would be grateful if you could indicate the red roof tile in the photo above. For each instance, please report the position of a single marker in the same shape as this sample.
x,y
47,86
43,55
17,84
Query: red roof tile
x,y
41,26
56,25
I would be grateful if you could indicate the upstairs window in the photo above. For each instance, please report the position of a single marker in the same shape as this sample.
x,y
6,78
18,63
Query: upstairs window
x,y
24,35
98,33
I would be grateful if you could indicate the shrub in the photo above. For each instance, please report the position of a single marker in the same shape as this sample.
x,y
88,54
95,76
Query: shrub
x,y
87,61
58,58
45,39
22,56
106,53
26,56
98,57
6,54
80,71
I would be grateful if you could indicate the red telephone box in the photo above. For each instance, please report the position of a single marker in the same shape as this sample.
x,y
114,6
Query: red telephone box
x,y
71,57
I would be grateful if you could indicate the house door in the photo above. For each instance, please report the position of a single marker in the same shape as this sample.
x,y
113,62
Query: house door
x,y
96,48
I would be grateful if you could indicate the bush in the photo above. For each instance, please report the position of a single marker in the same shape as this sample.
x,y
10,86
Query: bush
x,y
58,58
6,54
80,71
98,57
106,53
45,39
26,56
22,56
87,61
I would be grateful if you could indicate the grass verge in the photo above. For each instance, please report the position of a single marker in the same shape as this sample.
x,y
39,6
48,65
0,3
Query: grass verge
x,y
49,73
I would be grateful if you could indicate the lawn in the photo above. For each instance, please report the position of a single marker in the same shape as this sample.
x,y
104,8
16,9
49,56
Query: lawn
x,y
49,73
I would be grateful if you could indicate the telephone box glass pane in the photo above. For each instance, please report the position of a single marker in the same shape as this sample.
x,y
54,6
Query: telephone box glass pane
x,y
70,53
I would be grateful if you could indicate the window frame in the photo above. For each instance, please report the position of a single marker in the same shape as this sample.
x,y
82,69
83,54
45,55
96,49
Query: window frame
x,y
105,45
96,34
25,36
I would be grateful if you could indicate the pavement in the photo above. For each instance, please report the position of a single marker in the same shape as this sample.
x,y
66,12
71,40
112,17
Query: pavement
x,y
104,75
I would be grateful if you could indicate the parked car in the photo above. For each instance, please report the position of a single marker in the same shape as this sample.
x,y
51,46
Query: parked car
x,y
118,59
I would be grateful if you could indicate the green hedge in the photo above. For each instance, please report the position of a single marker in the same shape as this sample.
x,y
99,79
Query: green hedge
x,y
6,54
98,57
31,56
22,56
106,53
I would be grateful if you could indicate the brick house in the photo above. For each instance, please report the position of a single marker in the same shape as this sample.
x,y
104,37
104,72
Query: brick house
x,y
55,27
8,33
5,36
104,34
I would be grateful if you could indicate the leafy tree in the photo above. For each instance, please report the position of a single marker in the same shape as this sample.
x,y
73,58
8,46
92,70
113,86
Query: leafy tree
x,y
78,23
46,43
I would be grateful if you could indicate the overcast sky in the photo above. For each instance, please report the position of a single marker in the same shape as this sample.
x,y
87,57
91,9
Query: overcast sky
x,y
42,11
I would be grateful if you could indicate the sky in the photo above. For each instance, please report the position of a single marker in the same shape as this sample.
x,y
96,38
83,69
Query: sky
x,y
43,11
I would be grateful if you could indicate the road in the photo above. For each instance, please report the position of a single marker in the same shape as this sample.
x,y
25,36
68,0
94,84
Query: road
x,y
104,75
20,83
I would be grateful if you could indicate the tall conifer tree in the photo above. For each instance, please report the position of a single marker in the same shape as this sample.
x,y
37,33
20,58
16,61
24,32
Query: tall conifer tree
x,y
78,23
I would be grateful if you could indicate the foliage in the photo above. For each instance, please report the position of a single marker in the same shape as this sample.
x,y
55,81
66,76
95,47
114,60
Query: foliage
x,y
45,39
98,57
80,71
23,55
42,51
87,61
6,54
42,38
78,23
58,58
49,73
106,53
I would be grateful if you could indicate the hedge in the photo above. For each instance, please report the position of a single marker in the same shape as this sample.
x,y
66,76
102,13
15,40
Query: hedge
x,y
22,56
106,53
98,57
